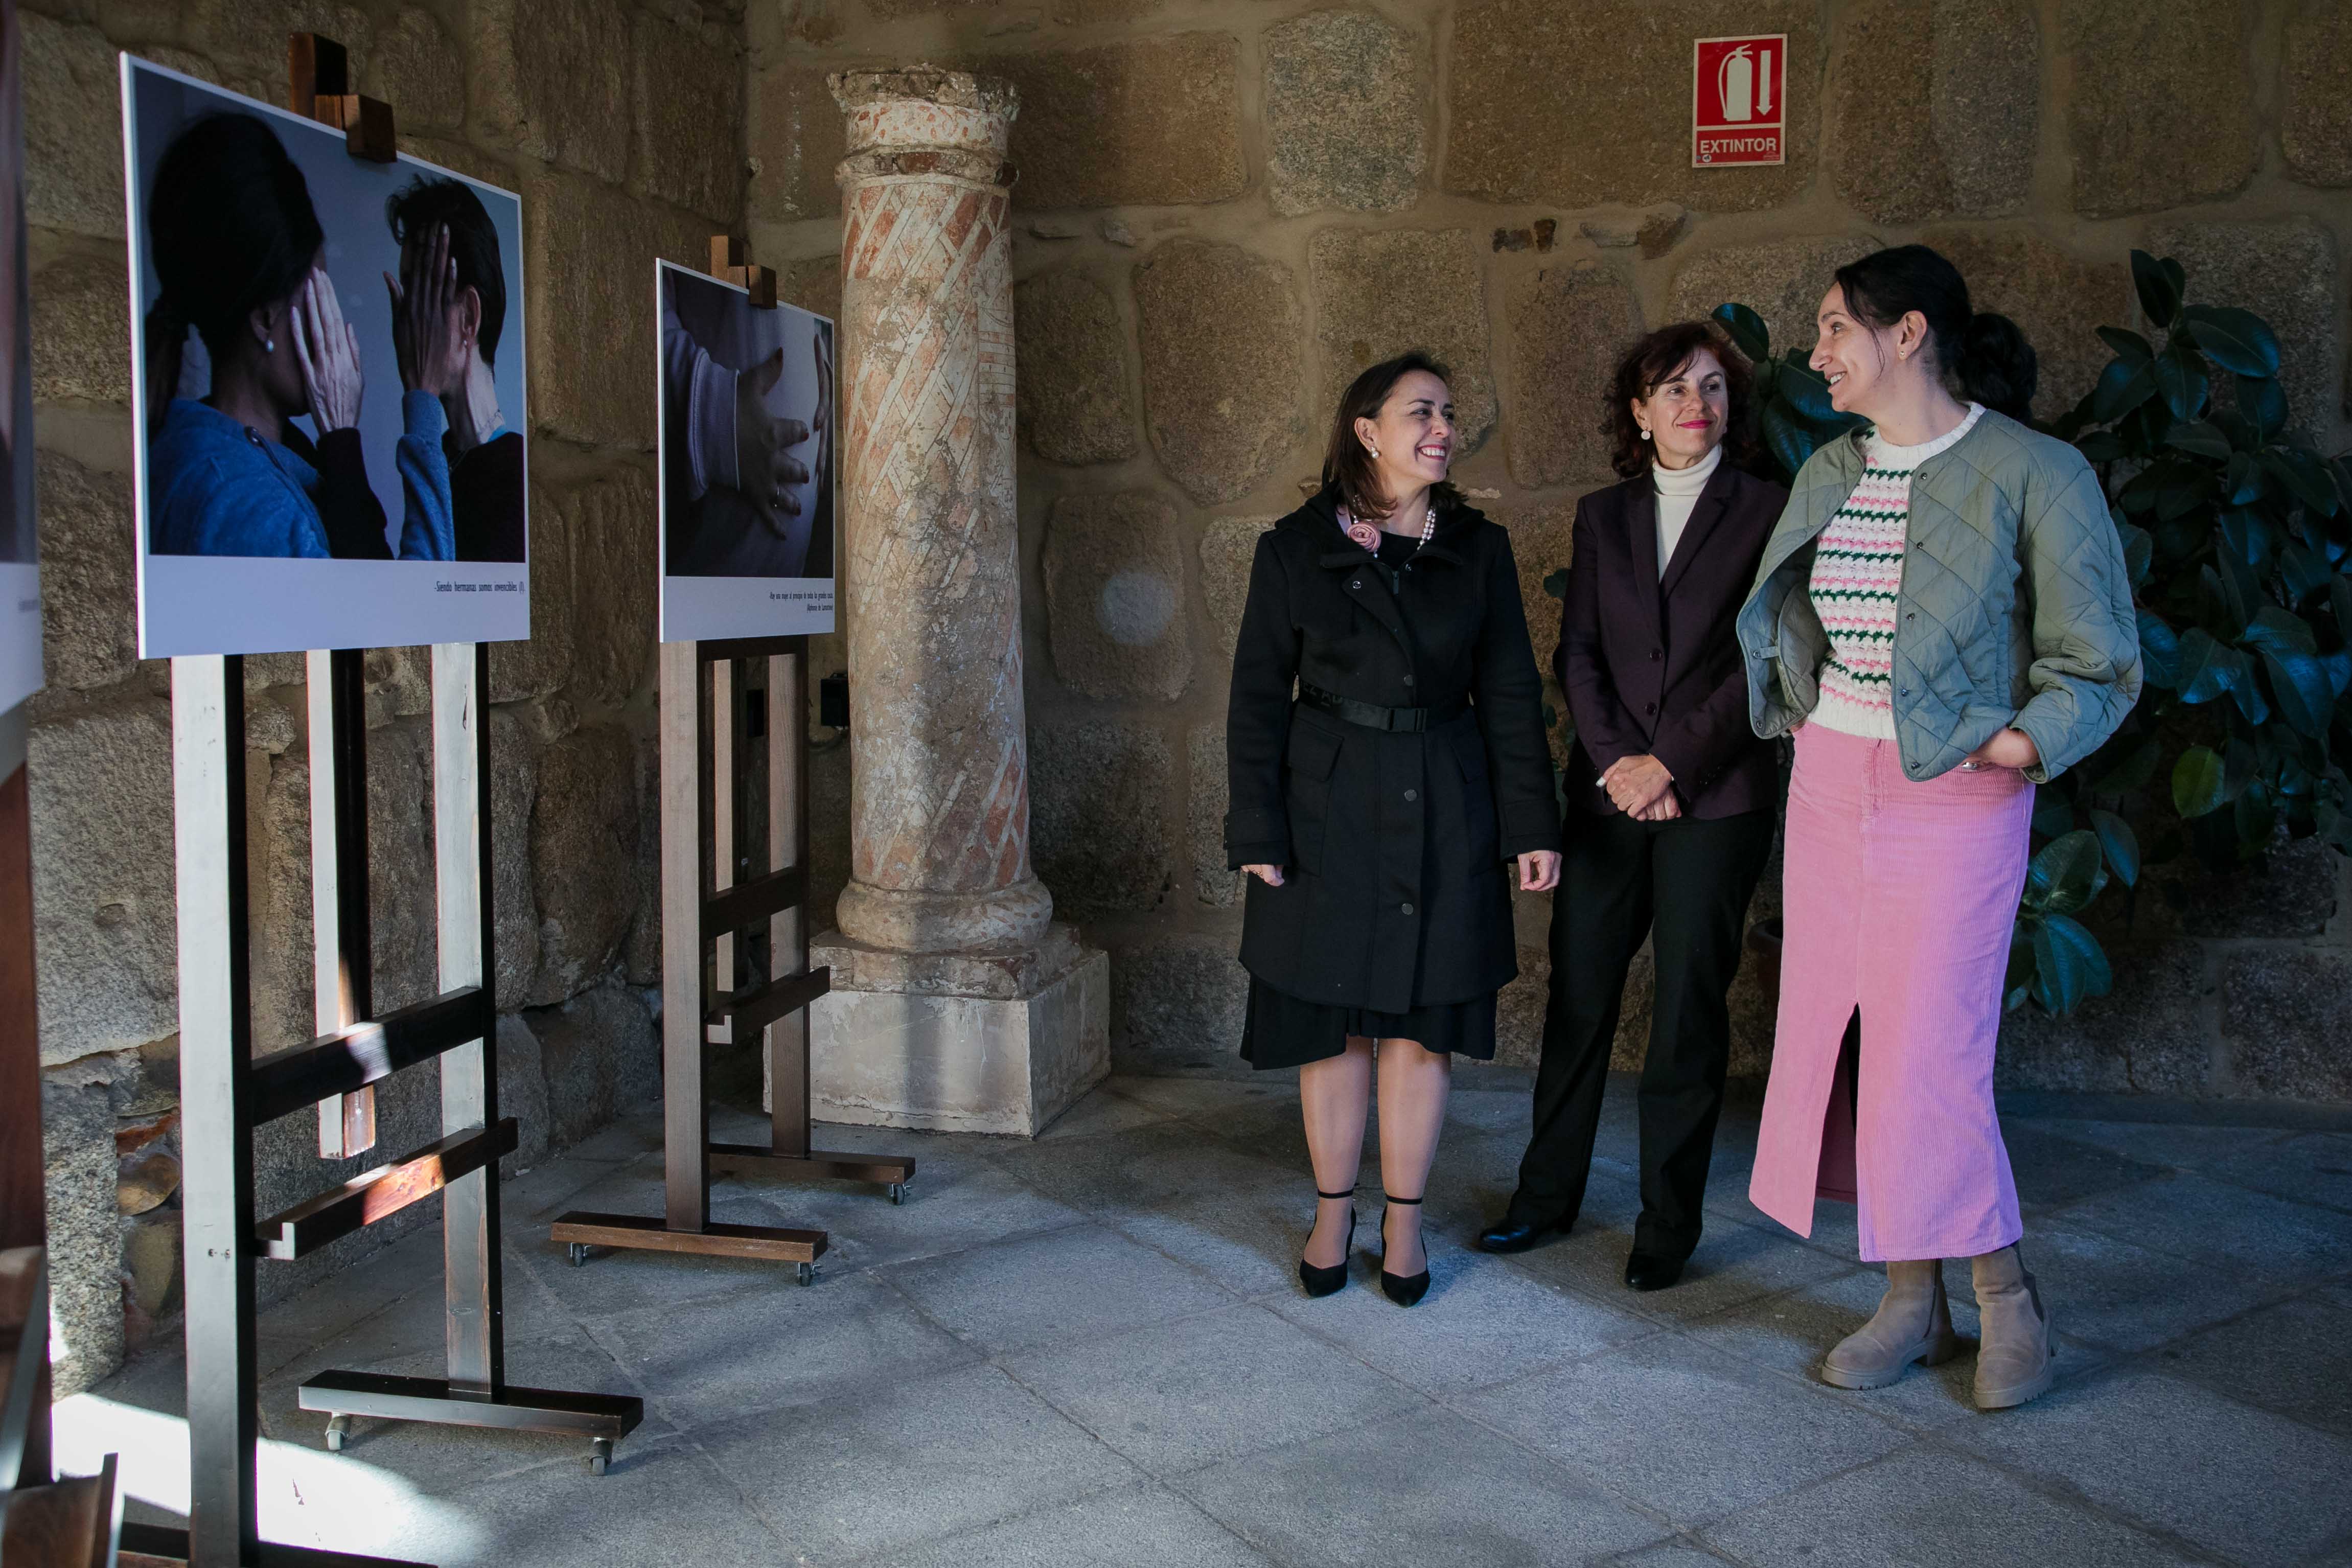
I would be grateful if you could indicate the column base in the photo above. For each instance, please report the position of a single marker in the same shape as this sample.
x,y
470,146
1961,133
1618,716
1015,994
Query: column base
x,y
899,920
961,1042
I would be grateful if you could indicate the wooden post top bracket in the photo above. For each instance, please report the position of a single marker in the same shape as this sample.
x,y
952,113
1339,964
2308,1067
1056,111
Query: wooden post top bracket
x,y
730,262
319,87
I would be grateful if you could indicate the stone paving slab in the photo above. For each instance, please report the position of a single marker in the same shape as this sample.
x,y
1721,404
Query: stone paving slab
x,y
1922,1509
1442,1492
1092,1348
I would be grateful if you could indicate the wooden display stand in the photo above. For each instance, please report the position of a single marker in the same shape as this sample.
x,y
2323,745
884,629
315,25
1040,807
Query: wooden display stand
x,y
226,1094
43,1520
705,747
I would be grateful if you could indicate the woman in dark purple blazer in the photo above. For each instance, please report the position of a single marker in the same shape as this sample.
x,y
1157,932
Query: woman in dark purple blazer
x,y
1672,797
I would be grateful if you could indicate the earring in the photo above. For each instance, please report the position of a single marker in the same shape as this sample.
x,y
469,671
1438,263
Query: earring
x,y
270,345
1646,433
1376,453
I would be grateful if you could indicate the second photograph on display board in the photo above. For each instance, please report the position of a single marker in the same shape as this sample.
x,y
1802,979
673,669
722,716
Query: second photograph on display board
x,y
328,383
748,461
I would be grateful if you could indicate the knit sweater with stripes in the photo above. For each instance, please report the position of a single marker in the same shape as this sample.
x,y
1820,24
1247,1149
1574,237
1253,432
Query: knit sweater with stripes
x,y
1858,579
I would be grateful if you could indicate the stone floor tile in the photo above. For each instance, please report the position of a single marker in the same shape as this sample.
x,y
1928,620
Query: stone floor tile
x,y
665,1507
1059,1288
437,1460
2295,1358
1177,1396
1789,1334
876,1473
1247,1242
2115,1293
714,1359
2247,1484
1134,1527
1482,1323
1925,1509
625,1140
2309,1167
2175,1145
1501,1111
1674,1553
1150,1168
957,1200
2053,1170
1734,1263
1101,1112
1438,1490
2267,1240
1689,1431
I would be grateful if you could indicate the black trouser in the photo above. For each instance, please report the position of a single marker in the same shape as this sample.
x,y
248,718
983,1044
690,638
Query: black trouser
x,y
1684,884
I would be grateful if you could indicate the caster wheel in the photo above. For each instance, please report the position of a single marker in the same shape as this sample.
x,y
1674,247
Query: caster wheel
x,y
805,1273
898,1191
577,1252
600,1455
338,1427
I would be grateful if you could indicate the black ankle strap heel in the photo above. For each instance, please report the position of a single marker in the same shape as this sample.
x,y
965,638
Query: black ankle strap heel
x,y
1319,1281
1404,1289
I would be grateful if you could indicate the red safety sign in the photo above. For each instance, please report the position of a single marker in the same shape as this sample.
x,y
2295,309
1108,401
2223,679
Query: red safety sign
x,y
1739,100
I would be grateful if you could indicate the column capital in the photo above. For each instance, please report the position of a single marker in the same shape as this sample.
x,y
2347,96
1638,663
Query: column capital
x,y
922,120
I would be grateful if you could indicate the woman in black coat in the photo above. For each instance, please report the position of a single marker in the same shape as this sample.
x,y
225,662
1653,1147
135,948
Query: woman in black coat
x,y
1673,796
1377,809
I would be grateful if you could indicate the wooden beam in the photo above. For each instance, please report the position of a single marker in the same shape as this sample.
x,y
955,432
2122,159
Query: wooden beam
x,y
386,1190
756,1007
66,1524
729,912
368,1052
23,1367
775,1242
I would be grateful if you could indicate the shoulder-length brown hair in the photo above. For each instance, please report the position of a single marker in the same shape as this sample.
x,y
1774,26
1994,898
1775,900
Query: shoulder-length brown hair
x,y
1653,361
1348,464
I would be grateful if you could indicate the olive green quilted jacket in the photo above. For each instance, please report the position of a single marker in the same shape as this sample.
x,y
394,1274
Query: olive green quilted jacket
x,y
2016,606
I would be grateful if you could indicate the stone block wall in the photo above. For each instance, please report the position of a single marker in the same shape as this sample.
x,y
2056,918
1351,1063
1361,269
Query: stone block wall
x,y
1228,207
621,125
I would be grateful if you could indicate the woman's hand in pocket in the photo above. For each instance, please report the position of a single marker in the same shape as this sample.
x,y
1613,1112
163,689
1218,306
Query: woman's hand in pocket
x,y
1270,875
1539,870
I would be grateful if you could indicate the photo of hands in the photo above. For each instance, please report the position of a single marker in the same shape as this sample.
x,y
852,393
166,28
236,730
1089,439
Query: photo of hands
x,y
748,462
328,359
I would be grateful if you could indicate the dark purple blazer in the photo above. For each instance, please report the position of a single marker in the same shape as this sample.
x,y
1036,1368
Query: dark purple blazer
x,y
1652,665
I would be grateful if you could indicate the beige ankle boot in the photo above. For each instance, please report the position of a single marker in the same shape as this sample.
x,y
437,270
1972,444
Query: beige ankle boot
x,y
1913,1324
2014,1346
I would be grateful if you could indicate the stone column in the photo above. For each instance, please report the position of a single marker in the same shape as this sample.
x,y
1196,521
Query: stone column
x,y
957,1002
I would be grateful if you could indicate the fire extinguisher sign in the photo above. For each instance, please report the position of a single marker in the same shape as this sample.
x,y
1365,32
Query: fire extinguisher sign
x,y
1739,100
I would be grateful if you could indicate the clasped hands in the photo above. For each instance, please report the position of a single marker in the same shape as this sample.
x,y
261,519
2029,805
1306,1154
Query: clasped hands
x,y
1642,788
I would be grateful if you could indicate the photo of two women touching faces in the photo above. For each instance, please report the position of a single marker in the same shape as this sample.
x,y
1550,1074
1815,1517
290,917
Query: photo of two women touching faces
x,y
328,370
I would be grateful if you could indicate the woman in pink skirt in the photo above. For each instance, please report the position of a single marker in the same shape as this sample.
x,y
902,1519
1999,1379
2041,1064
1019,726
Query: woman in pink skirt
x,y
1944,618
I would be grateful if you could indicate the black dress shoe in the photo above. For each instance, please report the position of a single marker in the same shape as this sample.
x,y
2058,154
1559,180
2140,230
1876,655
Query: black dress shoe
x,y
1648,1271
1321,1281
1517,1235
1404,1289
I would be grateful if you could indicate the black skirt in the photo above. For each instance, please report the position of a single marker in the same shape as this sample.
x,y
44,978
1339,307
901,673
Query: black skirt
x,y
1285,1031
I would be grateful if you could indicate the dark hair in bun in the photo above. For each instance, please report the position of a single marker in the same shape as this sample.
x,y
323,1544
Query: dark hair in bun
x,y
1984,353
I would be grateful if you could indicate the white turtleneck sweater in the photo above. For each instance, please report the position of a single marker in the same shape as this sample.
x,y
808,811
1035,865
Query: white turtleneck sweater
x,y
1677,493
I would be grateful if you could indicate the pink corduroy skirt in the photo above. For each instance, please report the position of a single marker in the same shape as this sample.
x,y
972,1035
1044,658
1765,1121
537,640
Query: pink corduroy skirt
x,y
1899,898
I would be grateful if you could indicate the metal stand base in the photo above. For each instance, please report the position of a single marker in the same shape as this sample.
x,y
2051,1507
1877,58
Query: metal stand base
x,y
600,1417
146,1543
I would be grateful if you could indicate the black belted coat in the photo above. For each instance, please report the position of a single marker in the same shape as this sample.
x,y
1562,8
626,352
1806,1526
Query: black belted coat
x,y
1395,842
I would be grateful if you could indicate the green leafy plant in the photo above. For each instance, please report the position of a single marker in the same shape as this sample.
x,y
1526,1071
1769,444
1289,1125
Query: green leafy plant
x,y
2237,533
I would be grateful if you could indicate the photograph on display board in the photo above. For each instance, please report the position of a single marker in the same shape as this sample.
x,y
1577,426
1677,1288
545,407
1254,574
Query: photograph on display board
x,y
747,460
328,378
20,576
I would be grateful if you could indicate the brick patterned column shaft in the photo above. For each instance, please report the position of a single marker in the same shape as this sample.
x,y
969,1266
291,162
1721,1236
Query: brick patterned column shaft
x,y
940,797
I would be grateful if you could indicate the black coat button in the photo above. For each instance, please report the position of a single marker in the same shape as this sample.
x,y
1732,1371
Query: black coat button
x,y
1357,583
1651,707
1655,655
1408,680
1408,909
1411,795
